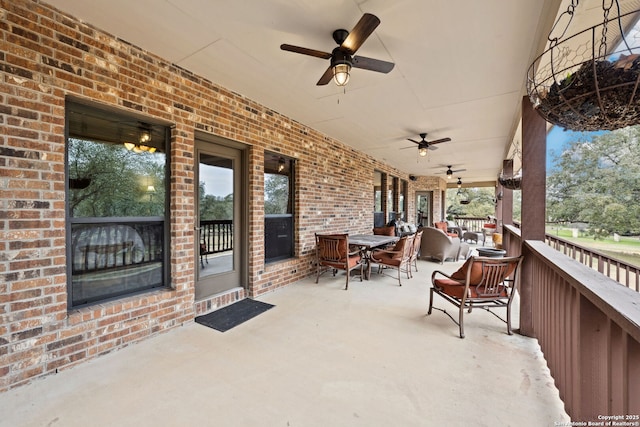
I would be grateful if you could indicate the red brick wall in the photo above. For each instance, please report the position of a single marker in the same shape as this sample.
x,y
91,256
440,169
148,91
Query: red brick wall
x,y
45,56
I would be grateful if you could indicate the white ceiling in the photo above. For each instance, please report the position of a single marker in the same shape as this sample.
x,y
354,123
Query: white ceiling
x,y
460,66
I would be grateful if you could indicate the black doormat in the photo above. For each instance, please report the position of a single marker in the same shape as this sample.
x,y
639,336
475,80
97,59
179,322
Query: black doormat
x,y
233,315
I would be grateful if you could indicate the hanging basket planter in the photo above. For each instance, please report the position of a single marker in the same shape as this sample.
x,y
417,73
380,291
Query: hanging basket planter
x,y
511,183
582,85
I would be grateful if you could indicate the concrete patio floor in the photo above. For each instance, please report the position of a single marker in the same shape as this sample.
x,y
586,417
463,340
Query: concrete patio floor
x,y
322,356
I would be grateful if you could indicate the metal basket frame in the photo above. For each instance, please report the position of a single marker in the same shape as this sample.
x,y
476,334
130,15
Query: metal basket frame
x,y
596,93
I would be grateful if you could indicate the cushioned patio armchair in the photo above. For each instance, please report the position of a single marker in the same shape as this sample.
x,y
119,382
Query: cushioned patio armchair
x,y
481,282
436,244
333,253
398,258
415,251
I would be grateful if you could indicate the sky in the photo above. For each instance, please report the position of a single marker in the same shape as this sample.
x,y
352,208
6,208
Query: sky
x,y
217,181
559,138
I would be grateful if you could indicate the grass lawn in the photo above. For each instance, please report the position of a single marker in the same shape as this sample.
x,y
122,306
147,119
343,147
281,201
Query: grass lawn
x,y
626,249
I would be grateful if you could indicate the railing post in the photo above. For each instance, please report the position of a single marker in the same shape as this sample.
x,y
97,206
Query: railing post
x,y
534,134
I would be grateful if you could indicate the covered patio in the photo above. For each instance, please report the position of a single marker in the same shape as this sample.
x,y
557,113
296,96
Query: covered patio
x,y
321,357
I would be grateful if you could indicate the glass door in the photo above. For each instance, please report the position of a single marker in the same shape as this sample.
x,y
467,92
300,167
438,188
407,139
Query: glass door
x,y
219,227
424,201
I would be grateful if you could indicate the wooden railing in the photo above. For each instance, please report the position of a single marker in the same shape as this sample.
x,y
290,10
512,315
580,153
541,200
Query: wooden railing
x,y
216,235
471,223
103,246
620,271
278,237
588,327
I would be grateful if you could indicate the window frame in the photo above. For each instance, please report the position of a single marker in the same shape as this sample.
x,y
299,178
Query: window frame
x,y
74,106
271,160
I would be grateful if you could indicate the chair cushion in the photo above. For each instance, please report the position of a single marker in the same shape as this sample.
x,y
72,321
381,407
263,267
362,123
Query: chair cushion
x,y
442,225
476,272
353,261
389,230
456,289
388,259
497,238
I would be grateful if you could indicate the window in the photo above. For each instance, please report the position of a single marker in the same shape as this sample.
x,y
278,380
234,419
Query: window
x,y
116,204
403,201
278,207
392,201
378,214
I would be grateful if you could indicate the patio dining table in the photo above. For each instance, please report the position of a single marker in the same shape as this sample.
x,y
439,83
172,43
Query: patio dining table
x,y
368,242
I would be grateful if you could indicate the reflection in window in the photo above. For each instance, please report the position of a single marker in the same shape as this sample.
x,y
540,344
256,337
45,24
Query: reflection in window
x,y
392,201
116,168
402,203
278,207
378,214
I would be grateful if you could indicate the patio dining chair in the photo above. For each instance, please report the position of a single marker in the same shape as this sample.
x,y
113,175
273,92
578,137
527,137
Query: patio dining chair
x,y
415,251
333,253
481,282
397,258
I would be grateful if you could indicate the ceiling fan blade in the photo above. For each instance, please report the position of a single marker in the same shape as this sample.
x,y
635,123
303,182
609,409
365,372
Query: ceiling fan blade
x,y
431,147
326,77
404,148
372,64
305,51
417,142
438,141
458,170
360,32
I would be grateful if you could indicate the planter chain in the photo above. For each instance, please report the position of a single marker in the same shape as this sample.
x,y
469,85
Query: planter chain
x,y
602,51
569,12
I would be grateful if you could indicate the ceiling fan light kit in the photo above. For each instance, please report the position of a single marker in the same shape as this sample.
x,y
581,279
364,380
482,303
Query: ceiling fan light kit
x,y
424,146
450,171
341,65
342,57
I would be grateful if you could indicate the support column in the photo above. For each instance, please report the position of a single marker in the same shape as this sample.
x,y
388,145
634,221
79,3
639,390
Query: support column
x,y
506,204
534,157
384,197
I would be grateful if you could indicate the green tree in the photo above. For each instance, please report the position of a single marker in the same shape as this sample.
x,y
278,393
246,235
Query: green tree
x,y
598,182
481,202
215,207
117,182
276,194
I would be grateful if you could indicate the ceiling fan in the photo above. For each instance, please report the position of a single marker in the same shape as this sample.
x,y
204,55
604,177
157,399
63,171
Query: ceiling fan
x,y
425,145
342,57
450,171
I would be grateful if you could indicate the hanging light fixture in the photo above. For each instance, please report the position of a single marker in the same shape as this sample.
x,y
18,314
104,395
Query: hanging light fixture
x,y
423,149
459,183
341,74
145,136
341,64
449,173
144,133
281,164
139,148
